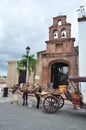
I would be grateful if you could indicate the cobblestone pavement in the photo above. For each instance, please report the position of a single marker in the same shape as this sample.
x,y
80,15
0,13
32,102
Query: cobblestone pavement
x,y
18,117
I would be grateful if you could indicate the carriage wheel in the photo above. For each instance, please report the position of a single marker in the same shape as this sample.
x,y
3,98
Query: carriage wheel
x,y
50,104
60,101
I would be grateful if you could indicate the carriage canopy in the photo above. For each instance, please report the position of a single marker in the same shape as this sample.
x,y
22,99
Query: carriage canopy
x,y
77,79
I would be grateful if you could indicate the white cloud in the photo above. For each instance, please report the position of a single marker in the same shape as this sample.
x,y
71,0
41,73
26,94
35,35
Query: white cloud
x,y
25,23
1,28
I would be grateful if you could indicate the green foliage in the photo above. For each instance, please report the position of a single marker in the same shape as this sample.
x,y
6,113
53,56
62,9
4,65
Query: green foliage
x,y
23,62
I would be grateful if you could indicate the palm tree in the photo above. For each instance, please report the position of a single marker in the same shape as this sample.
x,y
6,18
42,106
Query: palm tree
x,y
23,62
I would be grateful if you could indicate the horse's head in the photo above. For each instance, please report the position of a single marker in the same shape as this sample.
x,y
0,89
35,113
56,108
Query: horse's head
x,y
15,87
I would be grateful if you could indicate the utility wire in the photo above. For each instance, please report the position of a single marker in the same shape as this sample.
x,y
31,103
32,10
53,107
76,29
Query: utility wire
x,y
39,27
44,23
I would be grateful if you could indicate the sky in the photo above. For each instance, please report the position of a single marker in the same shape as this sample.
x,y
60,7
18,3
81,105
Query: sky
x,y
26,23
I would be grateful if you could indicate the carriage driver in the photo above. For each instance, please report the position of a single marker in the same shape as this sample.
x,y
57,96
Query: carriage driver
x,y
71,88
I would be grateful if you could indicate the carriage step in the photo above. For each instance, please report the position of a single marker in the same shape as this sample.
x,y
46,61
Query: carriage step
x,y
83,106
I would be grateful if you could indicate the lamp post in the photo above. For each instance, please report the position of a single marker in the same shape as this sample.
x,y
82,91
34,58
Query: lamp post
x,y
27,51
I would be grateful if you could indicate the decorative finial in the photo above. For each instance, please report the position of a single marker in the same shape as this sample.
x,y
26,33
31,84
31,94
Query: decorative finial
x,y
81,9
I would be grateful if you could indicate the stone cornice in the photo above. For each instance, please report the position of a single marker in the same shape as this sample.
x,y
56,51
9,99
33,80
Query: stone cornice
x,y
82,19
13,61
55,25
58,55
60,16
57,41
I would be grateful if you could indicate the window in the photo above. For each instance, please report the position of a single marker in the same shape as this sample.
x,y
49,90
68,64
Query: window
x,y
55,34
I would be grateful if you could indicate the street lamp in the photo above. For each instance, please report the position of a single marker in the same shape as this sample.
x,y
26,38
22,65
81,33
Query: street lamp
x,y
27,51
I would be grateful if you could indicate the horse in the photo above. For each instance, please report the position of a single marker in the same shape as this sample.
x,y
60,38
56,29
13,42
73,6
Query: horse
x,y
35,89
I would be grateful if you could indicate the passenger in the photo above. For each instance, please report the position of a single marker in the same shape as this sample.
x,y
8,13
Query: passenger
x,y
68,93
71,88
74,87
14,94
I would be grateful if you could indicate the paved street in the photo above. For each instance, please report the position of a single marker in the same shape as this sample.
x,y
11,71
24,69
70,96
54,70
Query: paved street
x,y
18,117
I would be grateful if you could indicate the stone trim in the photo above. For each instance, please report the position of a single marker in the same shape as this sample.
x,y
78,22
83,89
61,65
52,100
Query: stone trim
x,y
82,19
57,41
49,55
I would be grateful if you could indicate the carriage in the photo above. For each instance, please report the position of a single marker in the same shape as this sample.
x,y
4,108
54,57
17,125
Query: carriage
x,y
55,101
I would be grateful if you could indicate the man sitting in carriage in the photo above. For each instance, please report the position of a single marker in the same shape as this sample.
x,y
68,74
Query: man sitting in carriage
x,y
76,95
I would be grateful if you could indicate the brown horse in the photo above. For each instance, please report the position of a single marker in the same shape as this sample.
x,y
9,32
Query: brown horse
x,y
33,88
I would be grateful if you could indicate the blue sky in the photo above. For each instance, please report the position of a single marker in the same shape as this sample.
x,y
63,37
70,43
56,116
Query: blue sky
x,y
26,23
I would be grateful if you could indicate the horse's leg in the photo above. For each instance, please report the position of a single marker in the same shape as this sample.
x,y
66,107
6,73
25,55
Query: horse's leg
x,y
38,100
23,99
26,98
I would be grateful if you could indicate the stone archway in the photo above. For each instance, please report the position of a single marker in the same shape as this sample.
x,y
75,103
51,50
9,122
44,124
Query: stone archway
x,y
59,74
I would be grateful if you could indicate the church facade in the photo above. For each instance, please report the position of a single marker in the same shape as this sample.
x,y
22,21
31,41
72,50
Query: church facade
x,y
60,59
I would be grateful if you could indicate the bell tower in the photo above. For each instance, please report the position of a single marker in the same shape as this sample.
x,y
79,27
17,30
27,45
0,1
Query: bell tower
x,y
60,29
60,40
60,59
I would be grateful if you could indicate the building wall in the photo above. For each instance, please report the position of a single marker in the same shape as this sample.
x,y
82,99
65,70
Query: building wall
x,y
82,43
39,69
12,75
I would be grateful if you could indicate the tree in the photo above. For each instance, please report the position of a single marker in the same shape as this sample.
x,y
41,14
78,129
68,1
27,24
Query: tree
x,y
23,62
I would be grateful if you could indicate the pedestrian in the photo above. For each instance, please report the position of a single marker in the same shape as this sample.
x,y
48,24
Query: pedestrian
x,y
15,95
25,94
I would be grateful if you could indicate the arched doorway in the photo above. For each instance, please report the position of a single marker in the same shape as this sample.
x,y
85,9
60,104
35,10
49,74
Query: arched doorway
x,y
59,74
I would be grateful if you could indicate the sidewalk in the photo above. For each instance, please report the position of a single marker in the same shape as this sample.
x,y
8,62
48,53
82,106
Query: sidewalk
x,y
31,99
5,99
